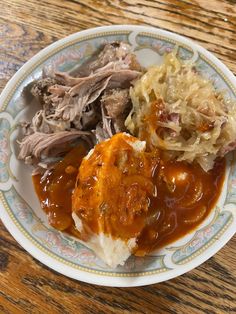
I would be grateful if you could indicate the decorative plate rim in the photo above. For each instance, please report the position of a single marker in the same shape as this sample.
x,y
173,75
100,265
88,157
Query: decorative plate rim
x,y
95,277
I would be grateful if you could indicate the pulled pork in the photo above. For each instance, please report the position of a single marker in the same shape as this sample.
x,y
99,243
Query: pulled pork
x,y
89,103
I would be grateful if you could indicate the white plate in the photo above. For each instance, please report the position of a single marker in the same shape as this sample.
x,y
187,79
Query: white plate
x,y
20,210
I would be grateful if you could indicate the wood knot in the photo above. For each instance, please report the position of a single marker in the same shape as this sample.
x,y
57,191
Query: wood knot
x,y
4,260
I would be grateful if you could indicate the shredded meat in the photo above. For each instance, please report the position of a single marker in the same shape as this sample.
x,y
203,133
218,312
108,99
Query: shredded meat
x,y
42,86
39,146
92,97
117,105
115,101
113,55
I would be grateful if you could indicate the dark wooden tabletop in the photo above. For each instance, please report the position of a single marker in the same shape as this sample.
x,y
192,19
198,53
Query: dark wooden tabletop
x,y
27,286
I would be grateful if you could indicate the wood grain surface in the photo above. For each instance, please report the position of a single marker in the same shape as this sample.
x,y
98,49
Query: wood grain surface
x,y
27,286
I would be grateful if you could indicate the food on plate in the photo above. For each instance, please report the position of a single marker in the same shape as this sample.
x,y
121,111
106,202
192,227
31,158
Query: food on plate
x,y
77,105
122,193
54,188
177,110
112,195
126,200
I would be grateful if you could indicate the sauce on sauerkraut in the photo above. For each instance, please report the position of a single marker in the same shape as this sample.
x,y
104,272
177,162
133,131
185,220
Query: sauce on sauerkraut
x,y
178,110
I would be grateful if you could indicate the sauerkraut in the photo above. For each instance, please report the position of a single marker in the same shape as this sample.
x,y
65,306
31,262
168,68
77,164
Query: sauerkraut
x,y
179,111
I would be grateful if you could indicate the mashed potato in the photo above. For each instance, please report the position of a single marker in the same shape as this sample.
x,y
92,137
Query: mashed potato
x,y
111,199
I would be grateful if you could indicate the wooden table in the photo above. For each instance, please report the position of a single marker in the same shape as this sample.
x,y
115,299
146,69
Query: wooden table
x,y
27,286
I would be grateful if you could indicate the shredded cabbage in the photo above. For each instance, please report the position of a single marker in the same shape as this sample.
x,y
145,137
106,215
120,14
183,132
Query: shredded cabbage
x,y
179,111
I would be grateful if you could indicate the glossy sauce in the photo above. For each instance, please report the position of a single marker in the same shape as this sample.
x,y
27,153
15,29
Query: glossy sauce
x,y
113,189
55,189
174,196
185,196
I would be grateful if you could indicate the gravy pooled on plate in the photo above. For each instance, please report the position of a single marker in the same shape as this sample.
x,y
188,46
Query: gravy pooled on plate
x,y
55,189
129,194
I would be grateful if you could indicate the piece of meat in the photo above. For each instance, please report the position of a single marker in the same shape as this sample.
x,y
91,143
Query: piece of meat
x,y
106,124
119,124
85,91
58,90
110,53
40,87
115,101
65,99
122,78
73,103
38,146
64,106
116,55
91,117
43,124
100,133
119,78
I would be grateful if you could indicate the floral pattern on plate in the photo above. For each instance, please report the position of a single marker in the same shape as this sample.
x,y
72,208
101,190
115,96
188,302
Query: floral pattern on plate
x,y
4,149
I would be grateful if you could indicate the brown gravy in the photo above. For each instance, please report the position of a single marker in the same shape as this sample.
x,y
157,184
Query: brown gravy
x,y
54,191
183,203
185,196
